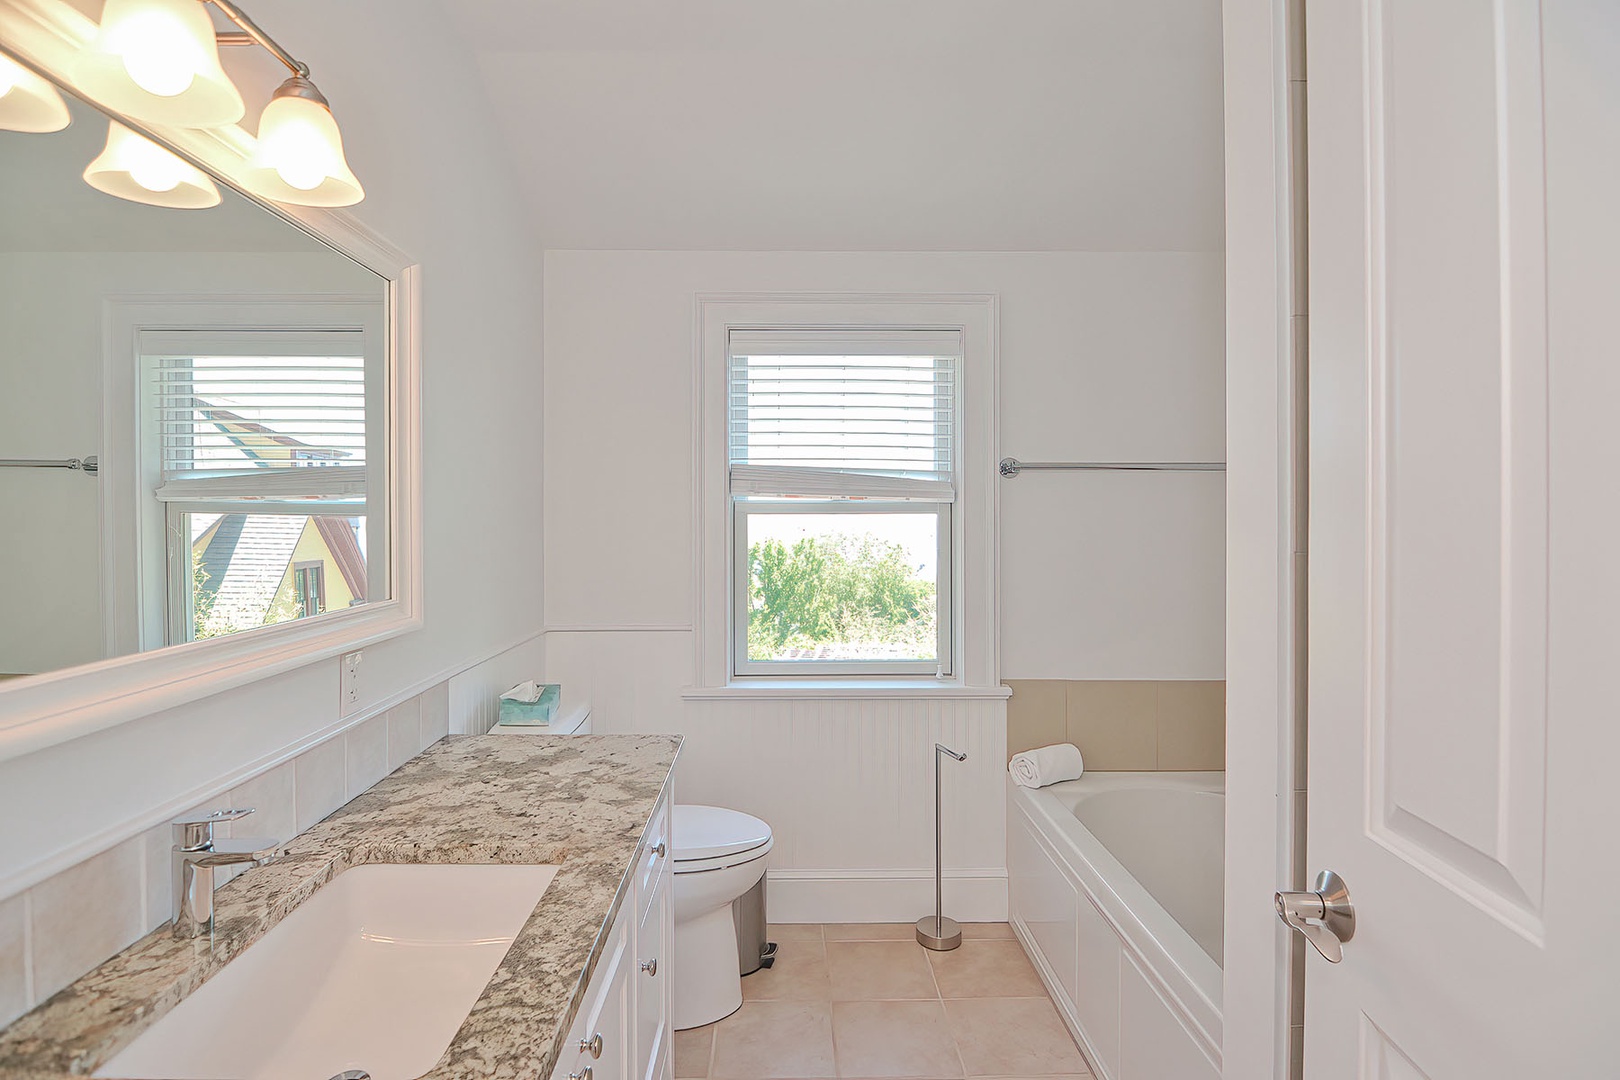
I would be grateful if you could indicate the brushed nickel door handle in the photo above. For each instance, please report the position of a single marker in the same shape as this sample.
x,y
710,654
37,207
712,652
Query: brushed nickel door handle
x,y
1325,915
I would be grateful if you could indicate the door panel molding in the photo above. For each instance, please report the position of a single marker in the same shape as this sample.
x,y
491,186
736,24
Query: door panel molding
x,y
1456,770
1382,1058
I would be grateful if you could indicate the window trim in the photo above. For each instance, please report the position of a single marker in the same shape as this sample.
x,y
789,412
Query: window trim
x,y
154,610
975,316
743,509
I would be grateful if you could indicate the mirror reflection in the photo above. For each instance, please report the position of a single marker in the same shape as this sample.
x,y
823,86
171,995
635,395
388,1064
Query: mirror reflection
x,y
193,417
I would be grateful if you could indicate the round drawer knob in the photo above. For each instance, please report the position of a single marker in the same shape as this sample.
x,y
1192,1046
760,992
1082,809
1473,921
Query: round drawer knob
x,y
592,1045
658,852
583,1074
650,966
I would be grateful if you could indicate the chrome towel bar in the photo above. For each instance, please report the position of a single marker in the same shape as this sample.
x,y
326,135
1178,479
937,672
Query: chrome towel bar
x,y
1011,467
88,465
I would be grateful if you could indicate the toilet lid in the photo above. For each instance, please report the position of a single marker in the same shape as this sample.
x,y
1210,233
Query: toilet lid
x,y
710,832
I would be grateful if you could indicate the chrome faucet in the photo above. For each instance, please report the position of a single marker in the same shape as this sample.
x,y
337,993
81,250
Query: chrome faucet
x,y
196,853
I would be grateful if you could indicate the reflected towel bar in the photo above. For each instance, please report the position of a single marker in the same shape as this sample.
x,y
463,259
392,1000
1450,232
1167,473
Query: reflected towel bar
x,y
89,465
1011,467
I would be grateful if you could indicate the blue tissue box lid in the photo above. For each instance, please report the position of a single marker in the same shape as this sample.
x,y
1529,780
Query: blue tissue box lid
x,y
537,712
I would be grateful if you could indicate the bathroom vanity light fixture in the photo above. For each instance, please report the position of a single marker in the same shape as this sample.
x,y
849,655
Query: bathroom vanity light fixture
x,y
157,61
27,102
299,156
134,167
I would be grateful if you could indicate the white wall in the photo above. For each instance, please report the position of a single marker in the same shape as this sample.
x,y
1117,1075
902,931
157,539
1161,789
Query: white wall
x,y
52,306
1104,356
413,121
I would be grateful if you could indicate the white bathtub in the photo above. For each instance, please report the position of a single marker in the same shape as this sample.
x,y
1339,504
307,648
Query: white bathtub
x,y
1115,887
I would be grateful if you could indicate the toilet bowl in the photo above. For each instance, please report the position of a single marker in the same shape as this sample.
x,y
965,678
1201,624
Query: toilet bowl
x,y
719,855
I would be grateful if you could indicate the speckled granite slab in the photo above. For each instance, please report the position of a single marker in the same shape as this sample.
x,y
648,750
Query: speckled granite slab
x,y
581,803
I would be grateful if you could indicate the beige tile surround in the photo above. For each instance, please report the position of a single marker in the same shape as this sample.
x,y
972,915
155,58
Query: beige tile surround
x,y
868,1001
1123,725
67,924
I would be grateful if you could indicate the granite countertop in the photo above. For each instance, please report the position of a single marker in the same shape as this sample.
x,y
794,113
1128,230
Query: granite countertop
x,y
581,803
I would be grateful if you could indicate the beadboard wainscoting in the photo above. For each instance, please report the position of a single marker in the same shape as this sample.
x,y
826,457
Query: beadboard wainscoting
x,y
847,784
475,694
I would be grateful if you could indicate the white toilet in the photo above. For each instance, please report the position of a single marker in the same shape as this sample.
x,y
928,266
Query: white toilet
x,y
719,855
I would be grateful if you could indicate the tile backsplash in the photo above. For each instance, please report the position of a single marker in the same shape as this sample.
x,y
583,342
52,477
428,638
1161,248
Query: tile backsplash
x,y
66,925
1123,725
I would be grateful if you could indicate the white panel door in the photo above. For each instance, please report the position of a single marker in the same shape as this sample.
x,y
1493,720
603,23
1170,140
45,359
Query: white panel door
x,y
1464,735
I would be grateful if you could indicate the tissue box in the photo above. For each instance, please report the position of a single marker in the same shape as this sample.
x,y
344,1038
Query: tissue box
x,y
536,713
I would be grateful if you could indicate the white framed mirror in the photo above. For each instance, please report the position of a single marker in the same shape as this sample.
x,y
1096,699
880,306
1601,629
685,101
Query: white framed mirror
x,y
209,440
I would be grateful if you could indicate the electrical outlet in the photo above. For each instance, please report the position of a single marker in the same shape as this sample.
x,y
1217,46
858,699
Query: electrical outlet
x,y
349,685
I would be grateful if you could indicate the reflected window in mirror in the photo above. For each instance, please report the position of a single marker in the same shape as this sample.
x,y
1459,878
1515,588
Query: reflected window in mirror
x,y
256,445
229,371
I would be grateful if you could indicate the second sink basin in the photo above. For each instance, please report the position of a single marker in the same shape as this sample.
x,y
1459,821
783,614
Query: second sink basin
x,y
375,972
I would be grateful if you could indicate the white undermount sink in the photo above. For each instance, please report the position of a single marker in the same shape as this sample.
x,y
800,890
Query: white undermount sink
x,y
376,971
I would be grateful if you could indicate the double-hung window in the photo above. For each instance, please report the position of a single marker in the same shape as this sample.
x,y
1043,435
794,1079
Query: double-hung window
x,y
842,472
256,455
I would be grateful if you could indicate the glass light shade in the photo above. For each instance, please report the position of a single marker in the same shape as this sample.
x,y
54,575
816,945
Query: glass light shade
x,y
299,157
134,167
27,102
158,61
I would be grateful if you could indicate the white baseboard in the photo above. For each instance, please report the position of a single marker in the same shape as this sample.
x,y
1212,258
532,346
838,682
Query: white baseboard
x,y
855,896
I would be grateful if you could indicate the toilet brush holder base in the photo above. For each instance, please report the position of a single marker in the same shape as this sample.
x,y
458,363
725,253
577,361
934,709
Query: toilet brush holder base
x,y
938,933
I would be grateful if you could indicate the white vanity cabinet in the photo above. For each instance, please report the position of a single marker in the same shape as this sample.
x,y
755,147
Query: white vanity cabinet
x,y
625,1028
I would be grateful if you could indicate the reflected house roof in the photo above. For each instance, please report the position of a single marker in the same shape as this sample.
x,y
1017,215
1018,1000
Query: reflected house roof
x,y
245,557
258,442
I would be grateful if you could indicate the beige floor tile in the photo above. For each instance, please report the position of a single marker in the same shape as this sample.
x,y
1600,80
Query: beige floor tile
x,y
972,930
894,1038
799,974
693,1049
879,971
985,969
1012,1037
768,1039
870,931
793,931
1058,1076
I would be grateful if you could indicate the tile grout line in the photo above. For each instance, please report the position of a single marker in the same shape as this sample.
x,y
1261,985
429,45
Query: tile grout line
x,y
956,1044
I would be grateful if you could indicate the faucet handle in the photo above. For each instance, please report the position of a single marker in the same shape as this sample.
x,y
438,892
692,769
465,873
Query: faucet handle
x,y
195,832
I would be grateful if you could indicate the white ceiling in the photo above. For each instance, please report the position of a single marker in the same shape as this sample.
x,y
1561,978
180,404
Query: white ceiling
x,y
859,124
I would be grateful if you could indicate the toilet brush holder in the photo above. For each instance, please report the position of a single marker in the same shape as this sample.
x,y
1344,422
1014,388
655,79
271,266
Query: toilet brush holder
x,y
936,931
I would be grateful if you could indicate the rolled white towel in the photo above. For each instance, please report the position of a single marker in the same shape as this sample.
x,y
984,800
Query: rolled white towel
x,y
1047,765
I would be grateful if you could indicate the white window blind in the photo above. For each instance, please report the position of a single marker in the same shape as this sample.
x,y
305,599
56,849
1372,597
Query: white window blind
x,y
851,413
279,416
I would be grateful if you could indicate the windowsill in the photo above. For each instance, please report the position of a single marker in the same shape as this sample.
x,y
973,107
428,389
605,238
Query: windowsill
x,y
780,689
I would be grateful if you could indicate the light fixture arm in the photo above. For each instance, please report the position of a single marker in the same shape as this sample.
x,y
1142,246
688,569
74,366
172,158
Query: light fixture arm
x,y
252,35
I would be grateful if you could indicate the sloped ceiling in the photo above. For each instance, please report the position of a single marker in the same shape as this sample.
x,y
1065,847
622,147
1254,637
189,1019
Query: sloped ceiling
x,y
994,125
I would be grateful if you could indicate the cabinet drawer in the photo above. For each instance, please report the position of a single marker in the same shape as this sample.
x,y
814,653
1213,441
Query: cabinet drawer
x,y
605,1014
653,981
657,855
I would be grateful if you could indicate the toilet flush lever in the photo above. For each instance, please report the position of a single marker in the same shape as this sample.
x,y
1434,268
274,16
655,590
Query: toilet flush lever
x,y
1325,915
